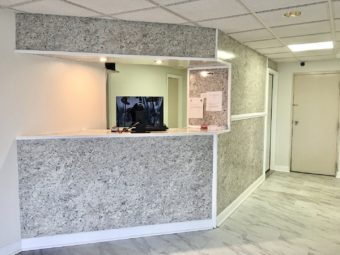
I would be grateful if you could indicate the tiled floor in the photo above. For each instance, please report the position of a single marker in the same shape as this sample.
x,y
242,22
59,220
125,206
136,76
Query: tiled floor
x,y
291,213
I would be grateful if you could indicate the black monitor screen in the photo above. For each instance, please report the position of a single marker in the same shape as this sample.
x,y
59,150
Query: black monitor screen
x,y
130,110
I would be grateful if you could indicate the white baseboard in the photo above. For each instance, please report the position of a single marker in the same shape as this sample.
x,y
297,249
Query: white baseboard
x,y
338,174
280,168
113,234
247,116
239,200
11,249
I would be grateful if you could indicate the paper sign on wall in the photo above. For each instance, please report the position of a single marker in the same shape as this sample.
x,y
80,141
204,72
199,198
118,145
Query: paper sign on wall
x,y
214,101
195,108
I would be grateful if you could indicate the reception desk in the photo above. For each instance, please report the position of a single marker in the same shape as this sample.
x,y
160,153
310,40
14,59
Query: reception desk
x,y
97,181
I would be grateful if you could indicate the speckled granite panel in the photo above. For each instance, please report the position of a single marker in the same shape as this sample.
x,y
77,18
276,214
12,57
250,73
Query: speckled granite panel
x,y
89,184
81,34
218,81
240,157
248,79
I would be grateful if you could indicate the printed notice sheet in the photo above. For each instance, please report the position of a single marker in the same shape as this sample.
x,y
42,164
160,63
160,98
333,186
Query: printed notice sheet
x,y
196,108
214,101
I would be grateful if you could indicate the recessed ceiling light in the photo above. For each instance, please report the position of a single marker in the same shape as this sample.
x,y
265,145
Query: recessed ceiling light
x,y
205,73
221,54
292,14
103,59
311,46
158,62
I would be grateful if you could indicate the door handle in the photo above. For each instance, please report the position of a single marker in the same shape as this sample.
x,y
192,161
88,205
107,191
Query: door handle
x,y
296,122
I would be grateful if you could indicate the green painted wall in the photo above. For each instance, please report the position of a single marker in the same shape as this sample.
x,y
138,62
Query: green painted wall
x,y
144,80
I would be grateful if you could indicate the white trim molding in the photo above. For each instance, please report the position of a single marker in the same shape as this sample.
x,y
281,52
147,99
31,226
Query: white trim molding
x,y
96,56
113,234
280,168
239,200
214,183
338,174
247,116
265,124
11,249
274,117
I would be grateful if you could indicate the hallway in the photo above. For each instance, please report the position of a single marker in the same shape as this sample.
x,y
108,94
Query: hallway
x,y
290,214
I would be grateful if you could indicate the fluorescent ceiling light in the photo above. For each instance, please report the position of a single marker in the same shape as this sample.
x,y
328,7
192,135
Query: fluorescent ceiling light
x,y
221,54
311,46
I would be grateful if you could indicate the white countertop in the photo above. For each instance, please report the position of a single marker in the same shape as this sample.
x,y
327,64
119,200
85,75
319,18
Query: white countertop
x,y
104,133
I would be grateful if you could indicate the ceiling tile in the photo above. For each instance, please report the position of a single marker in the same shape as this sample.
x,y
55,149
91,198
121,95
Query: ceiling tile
x,y
310,13
264,44
114,6
255,35
55,8
302,29
234,24
280,55
152,15
313,58
7,3
262,5
308,38
274,50
203,9
169,2
337,24
336,9
280,60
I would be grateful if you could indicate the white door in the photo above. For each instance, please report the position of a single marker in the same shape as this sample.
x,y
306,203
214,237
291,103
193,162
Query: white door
x,y
315,123
173,110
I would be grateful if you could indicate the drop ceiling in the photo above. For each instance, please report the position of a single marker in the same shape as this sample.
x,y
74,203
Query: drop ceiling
x,y
259,24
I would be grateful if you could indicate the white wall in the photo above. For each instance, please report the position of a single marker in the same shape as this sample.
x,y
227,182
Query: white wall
x,y
284,104
145,80
39,95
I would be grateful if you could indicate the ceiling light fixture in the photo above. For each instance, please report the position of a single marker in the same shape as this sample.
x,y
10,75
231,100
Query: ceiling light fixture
x,y
221,54
206,73
311,46
292,14
158,62
103,59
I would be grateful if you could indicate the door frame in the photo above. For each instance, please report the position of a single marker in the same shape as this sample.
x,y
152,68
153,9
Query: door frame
x,y
337,172
273,123
180,97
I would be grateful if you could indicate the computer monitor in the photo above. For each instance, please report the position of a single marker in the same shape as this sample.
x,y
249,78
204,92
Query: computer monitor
x,y
146,110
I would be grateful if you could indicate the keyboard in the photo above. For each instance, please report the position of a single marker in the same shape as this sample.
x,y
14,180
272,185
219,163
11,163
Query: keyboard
x,y
159,128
